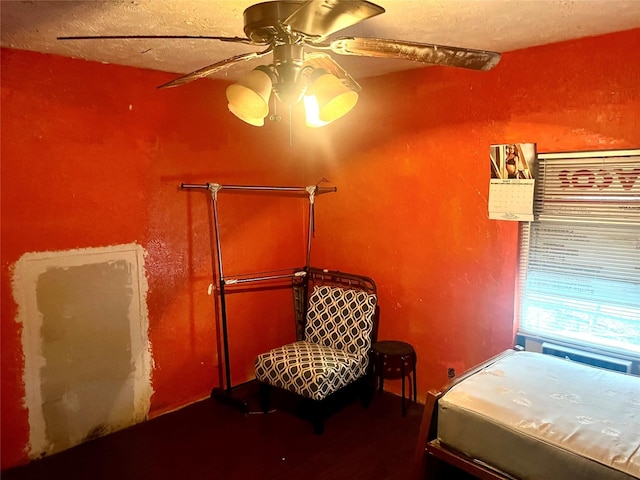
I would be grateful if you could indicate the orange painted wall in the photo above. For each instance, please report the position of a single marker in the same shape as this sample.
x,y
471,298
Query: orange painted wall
x,y
92,155
412,166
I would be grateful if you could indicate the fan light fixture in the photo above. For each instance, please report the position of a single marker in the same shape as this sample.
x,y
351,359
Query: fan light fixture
x,y
286,28
326,98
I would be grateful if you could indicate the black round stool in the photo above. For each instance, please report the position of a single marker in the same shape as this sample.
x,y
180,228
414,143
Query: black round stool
x,y
393,359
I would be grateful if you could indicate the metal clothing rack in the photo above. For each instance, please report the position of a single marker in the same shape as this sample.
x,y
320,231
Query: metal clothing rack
x,y
225,394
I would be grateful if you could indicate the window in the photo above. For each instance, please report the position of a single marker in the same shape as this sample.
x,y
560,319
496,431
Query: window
x,y
580,258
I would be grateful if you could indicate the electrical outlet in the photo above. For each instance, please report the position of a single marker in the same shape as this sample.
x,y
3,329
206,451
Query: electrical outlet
x,y
451,372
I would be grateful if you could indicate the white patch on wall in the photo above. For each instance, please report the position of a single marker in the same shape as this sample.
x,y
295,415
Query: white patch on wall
x,y
85,343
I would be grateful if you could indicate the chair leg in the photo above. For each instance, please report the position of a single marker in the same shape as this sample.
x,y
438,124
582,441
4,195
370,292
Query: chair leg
x,y
367,388
318,426
317,416
265,397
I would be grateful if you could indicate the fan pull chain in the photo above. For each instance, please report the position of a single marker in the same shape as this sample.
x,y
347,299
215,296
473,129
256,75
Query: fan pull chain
x,y
290,125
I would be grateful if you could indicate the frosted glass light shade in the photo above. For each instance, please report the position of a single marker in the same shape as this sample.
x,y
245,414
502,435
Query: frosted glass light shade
x,y
256,122
249,98
335,99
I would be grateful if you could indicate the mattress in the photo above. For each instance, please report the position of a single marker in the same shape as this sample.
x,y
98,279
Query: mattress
x,y
539,417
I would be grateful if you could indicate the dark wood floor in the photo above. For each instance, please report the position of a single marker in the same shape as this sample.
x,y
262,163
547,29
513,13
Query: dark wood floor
x,y
211,440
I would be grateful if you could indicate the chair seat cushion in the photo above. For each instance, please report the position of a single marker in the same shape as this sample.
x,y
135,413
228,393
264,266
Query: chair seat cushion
x,y
324,369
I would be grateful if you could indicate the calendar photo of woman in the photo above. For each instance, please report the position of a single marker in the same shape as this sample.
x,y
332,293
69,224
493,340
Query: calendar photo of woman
x,y
513,160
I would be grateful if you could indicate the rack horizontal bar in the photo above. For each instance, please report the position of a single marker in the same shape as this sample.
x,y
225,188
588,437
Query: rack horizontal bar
x,y
259,188
259,279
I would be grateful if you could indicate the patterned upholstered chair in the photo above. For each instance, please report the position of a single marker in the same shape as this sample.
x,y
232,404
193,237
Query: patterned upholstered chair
x,y
337,327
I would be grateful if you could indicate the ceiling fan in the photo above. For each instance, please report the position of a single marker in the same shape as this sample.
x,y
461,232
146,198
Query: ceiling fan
x,y
296,34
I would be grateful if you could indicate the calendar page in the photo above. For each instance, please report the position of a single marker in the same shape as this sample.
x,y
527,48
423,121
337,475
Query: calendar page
x,y
512,183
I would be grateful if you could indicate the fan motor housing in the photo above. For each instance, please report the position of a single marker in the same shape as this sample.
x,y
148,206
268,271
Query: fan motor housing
x,y
264,22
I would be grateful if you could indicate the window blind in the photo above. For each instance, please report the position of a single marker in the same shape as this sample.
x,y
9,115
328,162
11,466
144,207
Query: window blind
x,y
580,258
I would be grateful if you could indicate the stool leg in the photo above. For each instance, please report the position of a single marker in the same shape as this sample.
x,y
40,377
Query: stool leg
x,y
415,389
403,407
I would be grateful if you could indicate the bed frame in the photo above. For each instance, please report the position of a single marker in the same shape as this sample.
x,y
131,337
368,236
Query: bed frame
x,y
434,460
430,454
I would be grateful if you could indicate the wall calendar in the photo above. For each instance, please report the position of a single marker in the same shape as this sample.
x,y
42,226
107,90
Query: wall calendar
x,y
512,181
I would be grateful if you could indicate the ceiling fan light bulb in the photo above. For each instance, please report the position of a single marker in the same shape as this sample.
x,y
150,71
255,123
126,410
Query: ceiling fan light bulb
x,y
312,112
335,99
250,96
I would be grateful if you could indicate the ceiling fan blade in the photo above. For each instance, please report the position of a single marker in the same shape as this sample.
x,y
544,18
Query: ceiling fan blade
x,y
320,18
129,37
417,52
325,61
206,71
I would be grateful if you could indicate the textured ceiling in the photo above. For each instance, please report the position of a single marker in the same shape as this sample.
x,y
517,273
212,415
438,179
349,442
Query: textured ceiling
x,y
498,25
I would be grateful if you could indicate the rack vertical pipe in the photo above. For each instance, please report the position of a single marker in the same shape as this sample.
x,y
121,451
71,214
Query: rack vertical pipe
x,y
223,304
312,192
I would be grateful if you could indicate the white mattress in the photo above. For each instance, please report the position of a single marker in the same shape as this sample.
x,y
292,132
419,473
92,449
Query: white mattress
x,y
539,417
